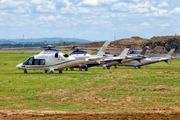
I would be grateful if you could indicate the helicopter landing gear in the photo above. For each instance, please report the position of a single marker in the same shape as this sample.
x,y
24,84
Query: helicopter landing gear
x,y
104,66
25,71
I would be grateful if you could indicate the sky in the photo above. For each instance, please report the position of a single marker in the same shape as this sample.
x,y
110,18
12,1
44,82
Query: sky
x,y
89,19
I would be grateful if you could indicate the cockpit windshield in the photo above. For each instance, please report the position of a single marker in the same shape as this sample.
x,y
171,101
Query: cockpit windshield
x,y
50,51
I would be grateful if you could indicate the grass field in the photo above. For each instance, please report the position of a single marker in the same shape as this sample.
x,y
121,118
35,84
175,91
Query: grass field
x,y
153,88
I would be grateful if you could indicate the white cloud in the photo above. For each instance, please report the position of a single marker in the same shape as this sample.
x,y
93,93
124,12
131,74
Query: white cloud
x,y
2,13
19,10
70,7
159,13
133,8
38,1
164,25
104,16
83,10
118,15
50,18
60,17
11,7
89,2
130,27
48,7
176,11
9,4
136,0
47,18
146,24
154,8
95,2
107,1
163,4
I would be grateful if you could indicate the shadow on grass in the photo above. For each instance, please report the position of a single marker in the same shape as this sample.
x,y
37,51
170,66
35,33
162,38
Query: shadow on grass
x,y
55,73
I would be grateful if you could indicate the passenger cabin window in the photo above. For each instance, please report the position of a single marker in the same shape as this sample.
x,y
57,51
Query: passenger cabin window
x,y
66,55
39,61
56,55
36,62
32,61
42,62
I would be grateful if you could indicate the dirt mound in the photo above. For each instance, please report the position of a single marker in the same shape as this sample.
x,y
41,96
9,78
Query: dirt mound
x,y
94,44
134,41
168,42
159,45
159,49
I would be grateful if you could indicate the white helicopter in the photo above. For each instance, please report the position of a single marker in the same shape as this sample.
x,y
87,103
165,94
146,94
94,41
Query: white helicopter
x,y
79,53
53,59
127,57
110,59
84,54
148,60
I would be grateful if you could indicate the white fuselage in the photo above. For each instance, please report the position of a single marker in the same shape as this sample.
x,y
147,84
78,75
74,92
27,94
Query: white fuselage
x,y
145,61
51,60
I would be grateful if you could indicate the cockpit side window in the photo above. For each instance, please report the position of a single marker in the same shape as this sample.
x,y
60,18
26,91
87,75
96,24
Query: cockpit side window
x,y
26,62
29,61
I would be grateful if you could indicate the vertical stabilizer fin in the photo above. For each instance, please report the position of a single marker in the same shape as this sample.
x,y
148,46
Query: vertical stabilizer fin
x,y
170,53
102,51
144,50
125,51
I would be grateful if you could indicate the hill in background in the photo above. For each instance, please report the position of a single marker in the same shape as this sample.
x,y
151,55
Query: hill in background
x,y
159,44
53,40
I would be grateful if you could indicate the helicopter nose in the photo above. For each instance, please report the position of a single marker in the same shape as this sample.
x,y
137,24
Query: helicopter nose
x,y
19,65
